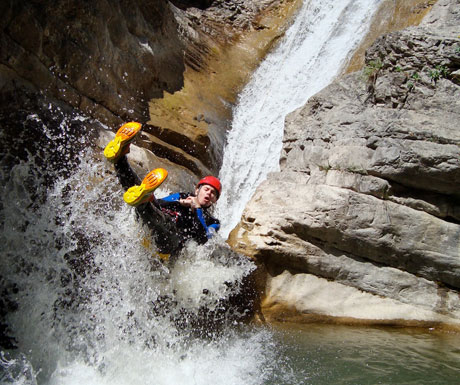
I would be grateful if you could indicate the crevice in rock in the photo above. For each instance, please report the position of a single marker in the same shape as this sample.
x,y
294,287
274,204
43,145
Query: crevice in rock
x,y
172,153
446,207
197,148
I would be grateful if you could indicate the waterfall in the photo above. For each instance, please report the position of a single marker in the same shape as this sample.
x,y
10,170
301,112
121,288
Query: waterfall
x,y
310,55
87,303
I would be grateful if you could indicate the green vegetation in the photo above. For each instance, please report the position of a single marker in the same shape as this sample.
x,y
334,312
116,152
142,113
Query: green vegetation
x,y
386,192
325,168
415,77
372,68
356,170
438,72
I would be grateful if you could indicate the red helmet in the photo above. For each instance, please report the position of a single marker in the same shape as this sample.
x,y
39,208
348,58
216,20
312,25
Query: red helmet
x,y
211,181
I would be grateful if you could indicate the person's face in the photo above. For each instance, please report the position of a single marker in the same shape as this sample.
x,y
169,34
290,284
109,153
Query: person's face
x,y
206,195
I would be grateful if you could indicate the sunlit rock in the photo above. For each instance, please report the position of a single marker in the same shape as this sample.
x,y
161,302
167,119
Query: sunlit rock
x,y
367,197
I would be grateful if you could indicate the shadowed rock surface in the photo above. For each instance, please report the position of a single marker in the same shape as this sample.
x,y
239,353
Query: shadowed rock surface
x,y
104,58
107,60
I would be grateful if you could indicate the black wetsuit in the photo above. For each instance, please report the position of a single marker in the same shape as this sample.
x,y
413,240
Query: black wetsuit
x,y
195,224
171,223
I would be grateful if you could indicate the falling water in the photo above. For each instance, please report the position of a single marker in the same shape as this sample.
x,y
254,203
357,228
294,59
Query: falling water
x,y
88,304
309,57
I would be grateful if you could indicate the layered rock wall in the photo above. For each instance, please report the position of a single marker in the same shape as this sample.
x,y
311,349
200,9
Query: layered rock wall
x,y
362,223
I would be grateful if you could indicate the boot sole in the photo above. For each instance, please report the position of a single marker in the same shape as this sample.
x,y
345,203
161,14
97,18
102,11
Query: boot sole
x,y
136,195
124,136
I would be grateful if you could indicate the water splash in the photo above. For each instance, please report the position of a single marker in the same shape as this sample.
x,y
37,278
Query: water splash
x,y
91,304
308,58
16,370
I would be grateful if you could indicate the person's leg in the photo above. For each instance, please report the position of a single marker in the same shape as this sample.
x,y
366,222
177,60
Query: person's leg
x,y
143,192
137,191
167,238
119,145
126,174
162,228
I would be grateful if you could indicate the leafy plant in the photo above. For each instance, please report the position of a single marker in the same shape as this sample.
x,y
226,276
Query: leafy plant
x,y
415,77
372,68
438,72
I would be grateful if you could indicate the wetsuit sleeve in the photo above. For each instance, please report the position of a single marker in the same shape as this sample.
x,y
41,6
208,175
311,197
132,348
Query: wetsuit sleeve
x,y
172,198
211,229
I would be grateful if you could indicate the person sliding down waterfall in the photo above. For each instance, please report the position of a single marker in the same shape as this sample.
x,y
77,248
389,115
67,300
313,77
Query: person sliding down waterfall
x,y
174,219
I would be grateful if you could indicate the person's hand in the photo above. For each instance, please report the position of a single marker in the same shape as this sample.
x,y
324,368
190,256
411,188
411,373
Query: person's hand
x,y
190,201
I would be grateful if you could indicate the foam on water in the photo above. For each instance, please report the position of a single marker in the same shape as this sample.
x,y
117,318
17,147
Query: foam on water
x,y
199,363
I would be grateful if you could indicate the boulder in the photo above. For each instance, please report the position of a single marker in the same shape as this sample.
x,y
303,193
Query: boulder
x,y
362,222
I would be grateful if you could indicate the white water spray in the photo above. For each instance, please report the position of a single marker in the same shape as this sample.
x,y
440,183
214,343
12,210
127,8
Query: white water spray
x,y
95,307
310,55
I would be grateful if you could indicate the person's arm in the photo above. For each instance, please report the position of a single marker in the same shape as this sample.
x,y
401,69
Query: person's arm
x,y
211,229
172,198
190,201
186,200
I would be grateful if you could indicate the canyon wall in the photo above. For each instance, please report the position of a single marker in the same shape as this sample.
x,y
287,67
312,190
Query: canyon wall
x,y
362,223
364,215
113,62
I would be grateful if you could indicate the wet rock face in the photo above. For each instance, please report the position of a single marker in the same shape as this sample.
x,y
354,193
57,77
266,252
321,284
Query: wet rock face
x,y
104,58
117,61
368,194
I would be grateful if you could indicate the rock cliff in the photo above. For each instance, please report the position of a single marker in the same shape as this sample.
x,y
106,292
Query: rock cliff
x,y
97,57
114,62
362,223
